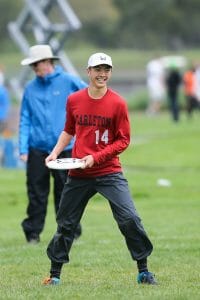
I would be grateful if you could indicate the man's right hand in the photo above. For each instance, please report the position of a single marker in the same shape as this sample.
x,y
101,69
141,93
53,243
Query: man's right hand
x,y
89,161
24,157
52,156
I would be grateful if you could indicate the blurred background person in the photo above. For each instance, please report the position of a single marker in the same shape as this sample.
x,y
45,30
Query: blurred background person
x,y
189,87
197,76
5,103
2,77
155,85
173,81
42,119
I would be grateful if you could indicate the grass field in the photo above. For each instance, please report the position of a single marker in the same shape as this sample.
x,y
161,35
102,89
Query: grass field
x,y
100,266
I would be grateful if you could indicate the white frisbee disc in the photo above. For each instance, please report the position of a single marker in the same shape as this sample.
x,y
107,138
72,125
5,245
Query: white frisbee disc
x,y
65,163
163,182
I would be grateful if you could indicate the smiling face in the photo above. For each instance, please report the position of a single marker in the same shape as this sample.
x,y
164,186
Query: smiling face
x,y
99,76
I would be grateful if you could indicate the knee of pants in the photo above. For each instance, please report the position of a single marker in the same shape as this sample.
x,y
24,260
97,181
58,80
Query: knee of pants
x,y
59,248
67,229
131,226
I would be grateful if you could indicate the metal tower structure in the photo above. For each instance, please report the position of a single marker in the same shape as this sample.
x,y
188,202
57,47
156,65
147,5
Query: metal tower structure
x,y
36,23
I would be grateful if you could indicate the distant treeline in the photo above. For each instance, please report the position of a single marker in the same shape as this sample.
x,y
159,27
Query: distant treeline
x,y
139,24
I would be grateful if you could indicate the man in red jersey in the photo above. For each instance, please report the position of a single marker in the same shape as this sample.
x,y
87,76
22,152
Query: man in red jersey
x,y
98,117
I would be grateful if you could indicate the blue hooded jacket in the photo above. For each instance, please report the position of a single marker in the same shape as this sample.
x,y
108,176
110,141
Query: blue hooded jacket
x,y
4,103
43,110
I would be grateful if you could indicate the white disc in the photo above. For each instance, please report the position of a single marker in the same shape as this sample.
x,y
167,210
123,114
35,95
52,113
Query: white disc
x,y
65,163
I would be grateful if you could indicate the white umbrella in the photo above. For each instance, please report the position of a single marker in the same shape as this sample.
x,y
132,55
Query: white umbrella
x,y
173,61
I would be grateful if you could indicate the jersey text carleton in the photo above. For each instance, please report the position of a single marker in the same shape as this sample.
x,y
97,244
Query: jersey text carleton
x,y
93,120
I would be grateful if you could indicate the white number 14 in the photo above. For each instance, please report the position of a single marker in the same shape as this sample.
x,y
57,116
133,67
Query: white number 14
x,y
103,138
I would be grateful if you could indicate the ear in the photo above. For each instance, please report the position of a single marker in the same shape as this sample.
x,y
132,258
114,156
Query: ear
x,y
88,71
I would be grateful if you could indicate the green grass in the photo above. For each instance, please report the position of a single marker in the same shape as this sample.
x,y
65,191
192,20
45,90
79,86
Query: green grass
x,y
100,266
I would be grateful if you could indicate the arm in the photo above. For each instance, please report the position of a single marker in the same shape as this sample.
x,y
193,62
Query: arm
x,y
121,140
4,103
24,129
62,142
77,83
114,149
108,152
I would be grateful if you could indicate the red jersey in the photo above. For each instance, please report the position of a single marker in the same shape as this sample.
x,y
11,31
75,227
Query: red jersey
x,y
101,128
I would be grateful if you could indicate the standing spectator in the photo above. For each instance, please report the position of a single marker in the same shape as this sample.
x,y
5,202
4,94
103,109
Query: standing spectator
x,y
42,119
155,85
2,79
98,117
4,104
197,78
190,87
173,81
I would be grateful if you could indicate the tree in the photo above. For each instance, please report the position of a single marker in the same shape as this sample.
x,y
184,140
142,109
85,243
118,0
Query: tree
x,y
125,23
99,19
8,12
150,23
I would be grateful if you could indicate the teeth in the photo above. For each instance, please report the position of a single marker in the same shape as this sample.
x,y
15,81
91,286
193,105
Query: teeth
x,y
100,79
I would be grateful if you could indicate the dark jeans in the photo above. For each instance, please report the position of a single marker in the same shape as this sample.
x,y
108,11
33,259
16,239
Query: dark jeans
x,y
174,106
192,104
38,188
75,196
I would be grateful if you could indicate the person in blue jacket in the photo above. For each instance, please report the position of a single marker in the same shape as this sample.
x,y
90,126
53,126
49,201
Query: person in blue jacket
x,y
42,118
4,107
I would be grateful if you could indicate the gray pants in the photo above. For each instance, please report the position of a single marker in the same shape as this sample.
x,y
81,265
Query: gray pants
x,y
75,196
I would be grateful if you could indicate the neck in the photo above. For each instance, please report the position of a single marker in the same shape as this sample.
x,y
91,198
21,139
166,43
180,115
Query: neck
x,y
97,93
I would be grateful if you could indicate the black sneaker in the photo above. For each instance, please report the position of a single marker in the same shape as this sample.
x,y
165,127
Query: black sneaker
x,y
146,278
32,238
